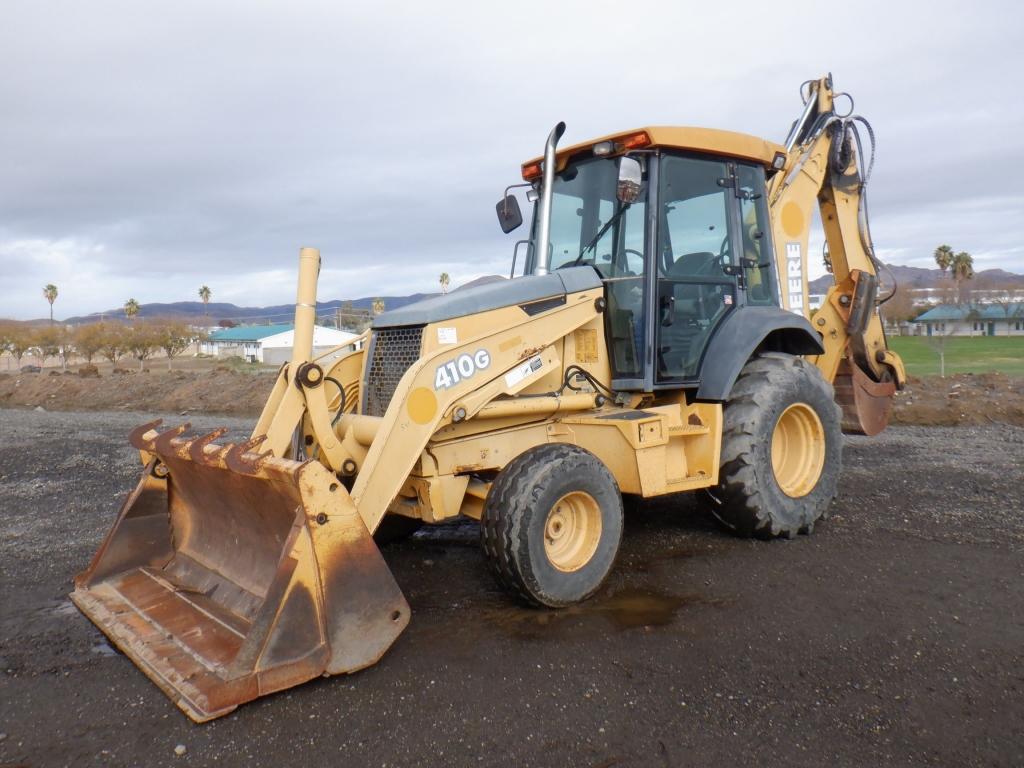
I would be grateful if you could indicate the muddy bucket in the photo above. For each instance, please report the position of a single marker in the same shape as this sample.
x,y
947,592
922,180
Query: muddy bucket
x,y
229,575
866,404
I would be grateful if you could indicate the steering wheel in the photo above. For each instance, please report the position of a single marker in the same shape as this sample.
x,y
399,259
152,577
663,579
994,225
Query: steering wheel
x,y
724,252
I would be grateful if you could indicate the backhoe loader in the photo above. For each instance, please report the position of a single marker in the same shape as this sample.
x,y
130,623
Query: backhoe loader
x,y
658,339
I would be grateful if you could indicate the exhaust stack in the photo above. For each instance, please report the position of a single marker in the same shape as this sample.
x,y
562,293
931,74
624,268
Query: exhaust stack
x,y
544,228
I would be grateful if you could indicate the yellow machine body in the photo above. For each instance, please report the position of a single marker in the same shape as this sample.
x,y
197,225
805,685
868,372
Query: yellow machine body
x,y
236,570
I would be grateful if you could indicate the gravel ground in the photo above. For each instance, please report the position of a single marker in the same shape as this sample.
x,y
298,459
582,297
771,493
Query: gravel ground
x,y
894,635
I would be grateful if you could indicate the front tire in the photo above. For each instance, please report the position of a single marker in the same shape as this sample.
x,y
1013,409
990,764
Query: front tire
x,y
552,524
781,448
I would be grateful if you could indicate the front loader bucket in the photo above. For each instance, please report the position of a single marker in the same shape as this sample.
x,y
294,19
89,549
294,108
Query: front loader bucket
x,y
230,575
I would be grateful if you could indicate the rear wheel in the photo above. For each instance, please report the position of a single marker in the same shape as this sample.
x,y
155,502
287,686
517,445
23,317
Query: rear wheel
x,y
781,448
552,524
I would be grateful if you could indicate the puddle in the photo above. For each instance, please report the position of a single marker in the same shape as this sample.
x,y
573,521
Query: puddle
x,y
628,608
103,648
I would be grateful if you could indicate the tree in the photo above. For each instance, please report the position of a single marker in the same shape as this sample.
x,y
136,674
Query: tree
x,y
900,308
89,340
445,280
937,341
114,341
962,270
50,294
943,257
49,342
1010,299
959,265
173,337
131,309
205,294
142,341
19,342
378,306
6,333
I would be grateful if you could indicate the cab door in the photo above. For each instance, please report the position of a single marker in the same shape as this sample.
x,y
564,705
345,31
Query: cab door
x,y
697,283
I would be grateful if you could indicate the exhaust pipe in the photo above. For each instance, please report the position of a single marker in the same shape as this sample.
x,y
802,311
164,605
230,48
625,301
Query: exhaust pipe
x,y
543,245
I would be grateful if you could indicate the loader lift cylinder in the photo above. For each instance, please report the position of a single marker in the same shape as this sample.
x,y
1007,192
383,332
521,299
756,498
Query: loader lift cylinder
x,y
305,306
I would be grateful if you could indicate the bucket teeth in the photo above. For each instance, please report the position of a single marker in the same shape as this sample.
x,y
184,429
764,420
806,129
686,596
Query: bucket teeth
x,y
197,447
162,443
137,436
236,457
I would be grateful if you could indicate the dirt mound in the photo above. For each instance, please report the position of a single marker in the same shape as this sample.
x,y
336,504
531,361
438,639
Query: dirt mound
x,y
965,398
970,399
216,391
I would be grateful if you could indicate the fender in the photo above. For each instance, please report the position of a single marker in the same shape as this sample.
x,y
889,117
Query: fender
x,y
744,331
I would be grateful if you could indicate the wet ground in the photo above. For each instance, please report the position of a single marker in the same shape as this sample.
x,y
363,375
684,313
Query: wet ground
x,y
894,635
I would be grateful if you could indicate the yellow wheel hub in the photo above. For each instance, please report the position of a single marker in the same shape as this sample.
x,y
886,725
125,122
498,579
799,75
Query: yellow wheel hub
x,y
572,531
798,450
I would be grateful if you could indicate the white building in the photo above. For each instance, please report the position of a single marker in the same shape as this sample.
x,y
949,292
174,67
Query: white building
x,y
272,344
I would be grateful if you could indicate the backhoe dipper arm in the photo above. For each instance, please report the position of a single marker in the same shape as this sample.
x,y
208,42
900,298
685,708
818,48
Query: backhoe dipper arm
x,y
825,166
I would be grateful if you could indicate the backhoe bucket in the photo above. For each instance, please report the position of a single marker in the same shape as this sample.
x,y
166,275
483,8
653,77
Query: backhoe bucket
x,y
229,575
866,404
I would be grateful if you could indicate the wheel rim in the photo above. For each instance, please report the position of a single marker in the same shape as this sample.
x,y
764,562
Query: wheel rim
x,y
572,531
798,450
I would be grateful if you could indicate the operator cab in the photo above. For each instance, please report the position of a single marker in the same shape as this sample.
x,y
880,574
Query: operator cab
x,y
679,234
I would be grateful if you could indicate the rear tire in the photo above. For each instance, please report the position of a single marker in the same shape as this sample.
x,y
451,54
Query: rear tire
x,y
551,525
781,448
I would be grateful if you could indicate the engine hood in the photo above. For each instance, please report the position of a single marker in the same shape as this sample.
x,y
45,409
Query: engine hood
x,y
482,298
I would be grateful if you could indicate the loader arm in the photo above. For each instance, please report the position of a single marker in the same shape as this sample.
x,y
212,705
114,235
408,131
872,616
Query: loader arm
x,y
824,167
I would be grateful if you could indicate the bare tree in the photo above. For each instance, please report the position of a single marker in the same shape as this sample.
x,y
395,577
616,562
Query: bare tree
x,y
900,308
939,342
1010,299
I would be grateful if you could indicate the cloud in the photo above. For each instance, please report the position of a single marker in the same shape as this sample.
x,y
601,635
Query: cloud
x,y
147,150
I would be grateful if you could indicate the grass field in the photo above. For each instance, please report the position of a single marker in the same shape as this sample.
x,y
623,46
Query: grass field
x,y
964,354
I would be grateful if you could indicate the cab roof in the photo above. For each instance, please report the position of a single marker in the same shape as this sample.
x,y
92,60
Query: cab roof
x,y
709,140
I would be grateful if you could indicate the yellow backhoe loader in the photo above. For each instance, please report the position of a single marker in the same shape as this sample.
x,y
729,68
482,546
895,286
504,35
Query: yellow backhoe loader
x,y
659,339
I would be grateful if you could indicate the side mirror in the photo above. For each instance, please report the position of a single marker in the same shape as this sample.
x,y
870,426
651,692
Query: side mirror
x,y
630,180
509,215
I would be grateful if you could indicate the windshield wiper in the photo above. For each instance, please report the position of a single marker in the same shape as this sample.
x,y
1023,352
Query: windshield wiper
x,y
601,232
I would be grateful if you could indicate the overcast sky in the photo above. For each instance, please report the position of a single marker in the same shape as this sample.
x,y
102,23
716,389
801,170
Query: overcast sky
x,y
148,148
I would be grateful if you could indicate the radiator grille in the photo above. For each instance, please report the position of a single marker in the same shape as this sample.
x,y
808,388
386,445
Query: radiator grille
x,y
392,351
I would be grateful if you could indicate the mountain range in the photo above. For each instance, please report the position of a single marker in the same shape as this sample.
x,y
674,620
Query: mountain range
x,y
921,278
907,277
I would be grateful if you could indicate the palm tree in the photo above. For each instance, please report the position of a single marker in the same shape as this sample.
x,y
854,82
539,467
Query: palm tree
x,y
378,306
961,267
50,294
205,294
131,309
944,257
445,280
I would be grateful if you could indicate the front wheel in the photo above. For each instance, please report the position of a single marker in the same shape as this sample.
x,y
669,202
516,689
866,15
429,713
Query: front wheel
x,y
552,524
781,448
